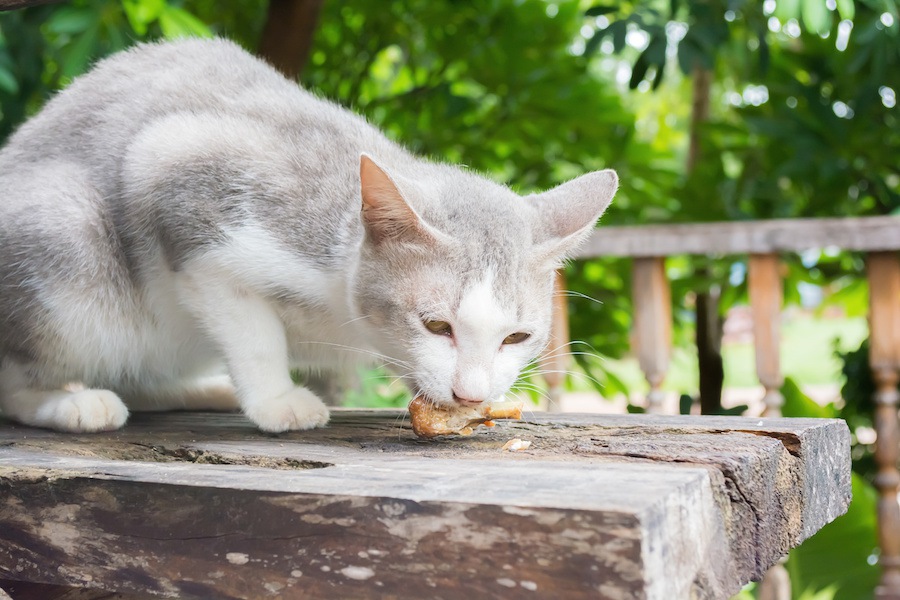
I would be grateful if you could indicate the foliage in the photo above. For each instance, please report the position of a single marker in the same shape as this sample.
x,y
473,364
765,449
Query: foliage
x,y
841,556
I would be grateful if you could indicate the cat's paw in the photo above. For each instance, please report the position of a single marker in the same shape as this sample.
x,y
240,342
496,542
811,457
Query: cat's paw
x,y
296,409
84,411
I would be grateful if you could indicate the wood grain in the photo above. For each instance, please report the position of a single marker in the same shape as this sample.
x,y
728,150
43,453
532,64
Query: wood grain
x,y
203,505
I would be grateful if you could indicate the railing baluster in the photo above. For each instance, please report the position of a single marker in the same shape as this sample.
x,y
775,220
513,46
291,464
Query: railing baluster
x,y
554,362
884,357
652,324
765,287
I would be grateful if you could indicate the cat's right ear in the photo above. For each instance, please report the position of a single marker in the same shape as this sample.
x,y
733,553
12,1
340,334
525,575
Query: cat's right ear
x,y
569,211
386,214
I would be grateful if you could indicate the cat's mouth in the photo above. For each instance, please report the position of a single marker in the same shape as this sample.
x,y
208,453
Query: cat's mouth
x,y
466,401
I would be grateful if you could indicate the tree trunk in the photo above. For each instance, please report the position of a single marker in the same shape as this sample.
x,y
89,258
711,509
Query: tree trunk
x,y
709,325
288,35
709,351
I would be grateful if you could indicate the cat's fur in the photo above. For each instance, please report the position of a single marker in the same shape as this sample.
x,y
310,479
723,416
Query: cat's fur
x,y
183,211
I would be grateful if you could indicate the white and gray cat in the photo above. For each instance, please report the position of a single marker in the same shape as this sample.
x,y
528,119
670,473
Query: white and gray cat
x,y
182,226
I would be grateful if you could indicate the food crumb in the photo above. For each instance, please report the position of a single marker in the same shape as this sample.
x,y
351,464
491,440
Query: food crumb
x,y
515,444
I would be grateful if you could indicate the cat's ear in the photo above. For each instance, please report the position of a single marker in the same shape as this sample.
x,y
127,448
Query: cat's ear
x,y
568,212
386,214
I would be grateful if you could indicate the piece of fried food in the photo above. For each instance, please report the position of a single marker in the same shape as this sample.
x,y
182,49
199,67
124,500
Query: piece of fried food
x,y
429,420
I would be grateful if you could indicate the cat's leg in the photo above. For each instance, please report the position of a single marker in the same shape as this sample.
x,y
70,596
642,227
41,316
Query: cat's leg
x,y
73,409
252,338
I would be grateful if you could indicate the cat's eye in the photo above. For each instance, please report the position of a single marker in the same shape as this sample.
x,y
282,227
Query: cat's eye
x,y
516,338
439,327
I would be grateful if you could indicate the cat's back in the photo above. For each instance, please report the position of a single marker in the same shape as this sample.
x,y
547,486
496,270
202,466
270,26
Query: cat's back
x,y
94,120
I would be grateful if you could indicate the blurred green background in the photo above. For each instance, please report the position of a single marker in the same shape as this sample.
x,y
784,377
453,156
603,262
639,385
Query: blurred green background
x,y
801,122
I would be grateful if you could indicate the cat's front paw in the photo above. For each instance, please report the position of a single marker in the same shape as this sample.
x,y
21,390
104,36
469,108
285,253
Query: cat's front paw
x,y
83,412
296,409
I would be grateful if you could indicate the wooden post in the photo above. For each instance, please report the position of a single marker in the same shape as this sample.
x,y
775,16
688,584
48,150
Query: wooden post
x,y
765,289
652,324
884,358
766,292
555,361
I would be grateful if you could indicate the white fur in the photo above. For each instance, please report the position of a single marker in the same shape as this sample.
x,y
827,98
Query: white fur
x,y
474,364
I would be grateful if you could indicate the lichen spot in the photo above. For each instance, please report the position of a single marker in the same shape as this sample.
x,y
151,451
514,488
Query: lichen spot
x,y
358,573
237,558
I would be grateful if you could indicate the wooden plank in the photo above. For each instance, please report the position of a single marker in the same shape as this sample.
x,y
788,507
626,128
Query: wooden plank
x,y
745,237
884,357
203,505
765,289
652,299
22,590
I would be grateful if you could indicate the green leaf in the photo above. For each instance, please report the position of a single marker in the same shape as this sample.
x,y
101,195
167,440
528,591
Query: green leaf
x,y
764,54
838,556
816,16
846,8
177,22
8,82
72,19
656,50
141,13
798,404
618,31
596,11
592,44
639,70
788,9
77,56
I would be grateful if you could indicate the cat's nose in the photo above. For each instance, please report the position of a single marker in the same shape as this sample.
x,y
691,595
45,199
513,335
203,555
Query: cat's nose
x,y
465,401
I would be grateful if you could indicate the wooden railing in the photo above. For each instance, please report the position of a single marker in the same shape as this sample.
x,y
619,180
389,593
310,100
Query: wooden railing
x,y
763,242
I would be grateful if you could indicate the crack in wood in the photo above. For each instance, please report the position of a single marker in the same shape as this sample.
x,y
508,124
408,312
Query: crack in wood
x,y
790,441
159,453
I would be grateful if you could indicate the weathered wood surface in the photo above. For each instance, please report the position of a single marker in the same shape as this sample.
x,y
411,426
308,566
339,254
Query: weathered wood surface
x,y
204,506
745,237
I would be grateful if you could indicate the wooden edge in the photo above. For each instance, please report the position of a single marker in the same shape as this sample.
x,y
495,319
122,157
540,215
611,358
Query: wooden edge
x,y
744,237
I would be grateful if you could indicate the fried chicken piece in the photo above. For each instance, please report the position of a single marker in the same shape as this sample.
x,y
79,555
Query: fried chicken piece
x,y
429,420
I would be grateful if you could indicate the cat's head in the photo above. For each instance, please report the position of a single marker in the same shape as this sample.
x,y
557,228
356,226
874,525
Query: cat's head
x,y
455,275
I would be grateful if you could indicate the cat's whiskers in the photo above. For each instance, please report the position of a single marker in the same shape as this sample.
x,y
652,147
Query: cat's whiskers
x,y
354,320
574,294
384,357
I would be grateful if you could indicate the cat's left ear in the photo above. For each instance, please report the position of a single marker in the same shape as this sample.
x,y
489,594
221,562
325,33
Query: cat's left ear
x,y
386,214
568,212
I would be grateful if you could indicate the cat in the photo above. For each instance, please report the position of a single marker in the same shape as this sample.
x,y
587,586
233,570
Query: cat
x,y
182,226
